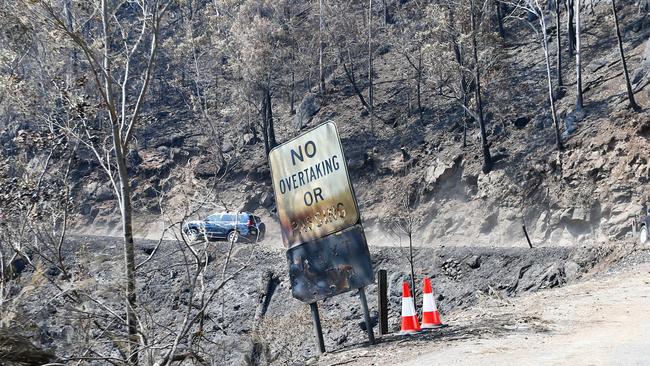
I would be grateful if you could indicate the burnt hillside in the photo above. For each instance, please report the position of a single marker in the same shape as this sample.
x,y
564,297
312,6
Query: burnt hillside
x,y
202,131
121,121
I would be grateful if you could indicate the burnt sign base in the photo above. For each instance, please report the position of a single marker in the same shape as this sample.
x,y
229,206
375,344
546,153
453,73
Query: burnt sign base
x,y
330,266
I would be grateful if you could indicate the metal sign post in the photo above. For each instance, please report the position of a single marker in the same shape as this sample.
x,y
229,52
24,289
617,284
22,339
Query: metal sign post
x,y
366,315
318,331
327,250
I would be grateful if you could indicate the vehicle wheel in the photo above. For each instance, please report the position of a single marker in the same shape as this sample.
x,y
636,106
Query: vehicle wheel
x,y
233,236
192,235
643,237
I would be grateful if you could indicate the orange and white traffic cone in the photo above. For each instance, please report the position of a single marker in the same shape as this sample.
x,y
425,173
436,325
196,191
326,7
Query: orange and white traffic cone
x,y
409,316
430,314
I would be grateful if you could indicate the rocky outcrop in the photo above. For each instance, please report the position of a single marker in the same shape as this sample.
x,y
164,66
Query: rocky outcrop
x,y
309,106
17,350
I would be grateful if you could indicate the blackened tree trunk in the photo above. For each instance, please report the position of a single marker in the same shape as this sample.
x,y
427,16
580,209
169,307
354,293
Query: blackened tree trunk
x,y
628,85
349,73
558,39
579,101
499,16
571,36
487,158
458,54
265,130
420,82
386,13
129,251
464,97
269,120
370,96
418,67
321,74
67,10
547,59
292,96
292,48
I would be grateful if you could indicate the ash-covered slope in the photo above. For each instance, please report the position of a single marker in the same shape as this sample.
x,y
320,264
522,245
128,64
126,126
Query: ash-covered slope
x,y
590,191
253,319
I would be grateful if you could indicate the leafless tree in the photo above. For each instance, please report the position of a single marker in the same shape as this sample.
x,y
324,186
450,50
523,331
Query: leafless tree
x,y
499,15
558,49
485,146
537,8
628,85
321,74
570,25
351,42
409,44
465,33
579,99
121,61
405,223
43,243
256,63
370,50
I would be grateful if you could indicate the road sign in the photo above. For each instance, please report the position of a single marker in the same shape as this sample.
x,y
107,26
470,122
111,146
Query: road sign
x,y
330,266
312,189
327,251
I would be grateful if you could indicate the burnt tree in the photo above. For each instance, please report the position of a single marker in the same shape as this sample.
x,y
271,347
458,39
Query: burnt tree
x,y
485,147
628,85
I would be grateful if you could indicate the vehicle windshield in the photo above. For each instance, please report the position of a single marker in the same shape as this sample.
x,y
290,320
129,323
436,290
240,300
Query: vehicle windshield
x,y
213,217
229,217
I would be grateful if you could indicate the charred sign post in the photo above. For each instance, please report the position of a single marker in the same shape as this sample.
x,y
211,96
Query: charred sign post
x,y
319,217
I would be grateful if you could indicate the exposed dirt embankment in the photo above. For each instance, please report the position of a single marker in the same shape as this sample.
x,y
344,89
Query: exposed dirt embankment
x,y
254,316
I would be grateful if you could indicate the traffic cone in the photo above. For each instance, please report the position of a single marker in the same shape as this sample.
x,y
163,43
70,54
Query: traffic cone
x,y
409,316
430,314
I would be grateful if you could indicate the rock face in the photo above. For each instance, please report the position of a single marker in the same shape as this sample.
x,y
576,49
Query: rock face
x,y
154,161
440,170
309,106
17,350
206,168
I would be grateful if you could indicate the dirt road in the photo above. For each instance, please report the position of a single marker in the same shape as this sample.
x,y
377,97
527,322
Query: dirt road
x,y
601,321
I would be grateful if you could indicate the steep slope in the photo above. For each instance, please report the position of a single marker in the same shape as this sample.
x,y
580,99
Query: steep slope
x,y
589,192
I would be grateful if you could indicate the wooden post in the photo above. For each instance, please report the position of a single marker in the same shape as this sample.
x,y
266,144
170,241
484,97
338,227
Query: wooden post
x,y
527,238
382,293
318,331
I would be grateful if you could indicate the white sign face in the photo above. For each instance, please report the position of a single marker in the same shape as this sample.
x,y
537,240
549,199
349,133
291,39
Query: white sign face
x,y
312,189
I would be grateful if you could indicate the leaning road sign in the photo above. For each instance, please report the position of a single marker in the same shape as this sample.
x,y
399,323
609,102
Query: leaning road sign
x,y
312,188
319,217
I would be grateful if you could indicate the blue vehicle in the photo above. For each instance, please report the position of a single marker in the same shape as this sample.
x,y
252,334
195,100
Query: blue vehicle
x,y
232,227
